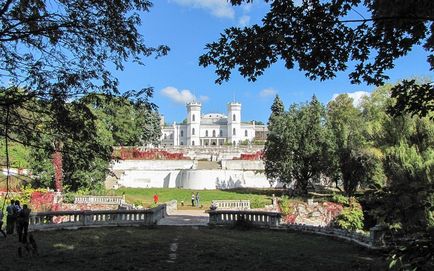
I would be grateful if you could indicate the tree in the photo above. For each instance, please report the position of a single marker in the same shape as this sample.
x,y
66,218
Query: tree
x,y
356,163
53,52
322,37
277,108
299,146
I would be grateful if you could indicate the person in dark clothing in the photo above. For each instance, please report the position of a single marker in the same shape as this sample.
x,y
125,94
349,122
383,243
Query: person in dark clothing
x,y
23,223
11,217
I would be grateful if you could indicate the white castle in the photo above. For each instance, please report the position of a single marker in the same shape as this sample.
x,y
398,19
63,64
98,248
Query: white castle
x,y
212,129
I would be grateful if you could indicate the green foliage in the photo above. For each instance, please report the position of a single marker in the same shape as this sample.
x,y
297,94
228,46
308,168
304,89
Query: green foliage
x,y
351,217
299,145
285,205
341,199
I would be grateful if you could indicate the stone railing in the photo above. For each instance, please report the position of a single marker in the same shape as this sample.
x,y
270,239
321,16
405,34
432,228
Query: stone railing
x,y
116,200
78,219
372,240
231,204
230,217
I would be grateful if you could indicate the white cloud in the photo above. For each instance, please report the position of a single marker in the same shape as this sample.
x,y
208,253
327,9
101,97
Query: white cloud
x,y
267,92
244,20
181,96
218,8
357,96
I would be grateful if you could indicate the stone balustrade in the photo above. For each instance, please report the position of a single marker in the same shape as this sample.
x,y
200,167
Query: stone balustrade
x,y
372,240
77,219
232,204
116,200
230,217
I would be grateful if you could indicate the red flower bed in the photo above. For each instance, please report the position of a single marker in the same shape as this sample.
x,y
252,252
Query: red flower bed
x,y
154,154
252,156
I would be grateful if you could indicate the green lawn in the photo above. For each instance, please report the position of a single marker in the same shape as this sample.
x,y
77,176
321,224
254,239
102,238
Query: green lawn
x,y
257,197
186,248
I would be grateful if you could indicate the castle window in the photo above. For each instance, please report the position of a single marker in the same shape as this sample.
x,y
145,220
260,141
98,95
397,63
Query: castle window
x,y
206,133
165,136
193,118
234,131
234,118
182,133
192,131
245,133
213,133
192,143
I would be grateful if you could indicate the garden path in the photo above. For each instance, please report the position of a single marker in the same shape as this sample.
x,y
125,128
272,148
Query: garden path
x,y
185,218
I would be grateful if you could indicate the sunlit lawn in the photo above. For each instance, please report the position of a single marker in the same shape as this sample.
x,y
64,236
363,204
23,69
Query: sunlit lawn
x,y
186,248
257,197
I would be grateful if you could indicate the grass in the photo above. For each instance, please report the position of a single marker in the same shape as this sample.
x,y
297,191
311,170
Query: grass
x,y
257,197
137,248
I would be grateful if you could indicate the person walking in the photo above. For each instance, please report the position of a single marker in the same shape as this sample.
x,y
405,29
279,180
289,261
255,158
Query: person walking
x,y
10,217
23,224
18,209
155,198
193,198
197,200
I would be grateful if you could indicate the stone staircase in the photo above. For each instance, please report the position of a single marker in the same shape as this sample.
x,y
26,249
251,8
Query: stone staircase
x,y
208,165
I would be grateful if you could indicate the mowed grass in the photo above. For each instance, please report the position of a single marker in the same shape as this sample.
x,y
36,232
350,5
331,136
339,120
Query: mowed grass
x,y
186,248
257,197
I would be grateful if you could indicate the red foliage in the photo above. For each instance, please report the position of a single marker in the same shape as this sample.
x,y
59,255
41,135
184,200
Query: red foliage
x,y
41,201
58,171
154,154
251,156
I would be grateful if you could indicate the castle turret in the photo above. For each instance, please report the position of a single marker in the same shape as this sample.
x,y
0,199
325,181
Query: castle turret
x,y
234,123
193,123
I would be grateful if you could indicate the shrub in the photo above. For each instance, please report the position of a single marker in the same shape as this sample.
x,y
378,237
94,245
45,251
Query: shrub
x,y
285,206
255,202
351,217
341,199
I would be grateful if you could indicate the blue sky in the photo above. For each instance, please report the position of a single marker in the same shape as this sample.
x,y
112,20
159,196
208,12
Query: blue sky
x,y
187,25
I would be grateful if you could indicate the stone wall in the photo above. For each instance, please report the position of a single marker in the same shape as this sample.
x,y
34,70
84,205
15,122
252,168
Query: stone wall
x,y
243,164
314,213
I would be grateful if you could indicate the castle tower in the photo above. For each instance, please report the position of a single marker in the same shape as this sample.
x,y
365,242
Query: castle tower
x,y
193,123
234,123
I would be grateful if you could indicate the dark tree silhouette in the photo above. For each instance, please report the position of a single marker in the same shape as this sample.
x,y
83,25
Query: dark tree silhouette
x,y
321,39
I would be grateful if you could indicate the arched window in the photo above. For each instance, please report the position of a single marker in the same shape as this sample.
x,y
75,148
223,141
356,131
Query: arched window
x,y
171,136
234,131
245,133
233,143
165,136
182,134
193,118
213,133
221,132
192,143
206,133
192,131
182,143
234,118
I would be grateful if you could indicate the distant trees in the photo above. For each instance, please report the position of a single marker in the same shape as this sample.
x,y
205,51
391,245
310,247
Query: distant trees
x,y
101,122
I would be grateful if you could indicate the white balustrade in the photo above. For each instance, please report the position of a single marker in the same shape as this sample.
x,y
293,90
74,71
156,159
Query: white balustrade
x,y
232,204
73,219
116,200
229,217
